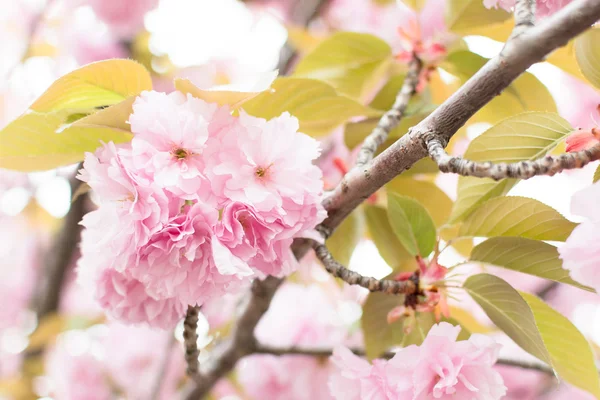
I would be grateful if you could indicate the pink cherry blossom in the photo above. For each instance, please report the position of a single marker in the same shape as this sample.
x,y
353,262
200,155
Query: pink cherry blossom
x,y
284,378
124,17
543,7
580,253
582,139
171,132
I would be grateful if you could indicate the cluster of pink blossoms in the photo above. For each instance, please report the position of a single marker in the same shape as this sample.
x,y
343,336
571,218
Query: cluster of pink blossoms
x,y
194,206
441,368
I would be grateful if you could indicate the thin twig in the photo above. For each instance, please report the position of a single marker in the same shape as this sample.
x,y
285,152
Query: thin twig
x,y
190,340
392,117
548,165
546,290
530,47
262,349
354,278
524,17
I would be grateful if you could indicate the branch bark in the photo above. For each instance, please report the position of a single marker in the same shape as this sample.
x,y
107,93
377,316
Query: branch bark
x,y
524,16
262,349
393,116
190,340
519,53
547,165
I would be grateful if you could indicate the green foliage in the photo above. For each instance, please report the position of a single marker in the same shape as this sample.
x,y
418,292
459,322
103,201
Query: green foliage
x,y
356,132
412,224
316,105
388,245
99,84
464,15
517,216
597,175
379,336
345,238
220,97
429,195
587,52
526,93
537,329
531,257
351,62
526,136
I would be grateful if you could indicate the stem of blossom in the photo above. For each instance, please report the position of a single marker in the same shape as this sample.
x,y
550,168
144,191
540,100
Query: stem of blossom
x,y
548,165
519,53
336,269
261,349
392,117
524,16
190,340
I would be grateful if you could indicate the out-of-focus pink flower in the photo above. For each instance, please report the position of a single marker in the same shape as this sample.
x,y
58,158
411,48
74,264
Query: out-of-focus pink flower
x,y
76,375
544,8
180,260
134,358
580,253
284,378
521,384
440,368
124,17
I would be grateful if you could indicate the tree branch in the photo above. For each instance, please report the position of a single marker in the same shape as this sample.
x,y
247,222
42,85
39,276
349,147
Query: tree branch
x,y
190,340
519,53
392,117
354,278
524,16
547,165
262,349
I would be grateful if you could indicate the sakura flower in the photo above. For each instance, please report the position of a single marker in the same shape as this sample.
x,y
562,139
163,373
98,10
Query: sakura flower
x,y
124,17
582,139
183,259
580,253
171,132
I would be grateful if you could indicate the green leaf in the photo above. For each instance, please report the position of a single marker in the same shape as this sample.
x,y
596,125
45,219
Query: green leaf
x,y
517,216
356,132
379,336
587,53
220,97
527,136
526,93
39,141
345,238
95,85
412,224
385,98
380,231
564,58
509,311
597,175
463,15
435,201
570,353
524,255
316,105
351,62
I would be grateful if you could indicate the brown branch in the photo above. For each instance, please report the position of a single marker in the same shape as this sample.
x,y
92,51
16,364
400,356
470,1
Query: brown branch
x,y
354,278
524,17
59,257
262,349
548,165
524,50
392,117
190,340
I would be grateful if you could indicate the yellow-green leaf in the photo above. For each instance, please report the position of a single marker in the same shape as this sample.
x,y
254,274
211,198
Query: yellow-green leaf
x,y
379,336
380,231
509,311
345,238
517,216
435,201
220,97
356,132
316,105
587,53
570,353
526,136
99,84
351,62
412,224
597,175
531,257
41,141
564,58
462,15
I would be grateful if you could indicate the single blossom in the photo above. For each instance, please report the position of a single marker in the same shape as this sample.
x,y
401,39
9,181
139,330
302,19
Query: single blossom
x,y
580,253
441,368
